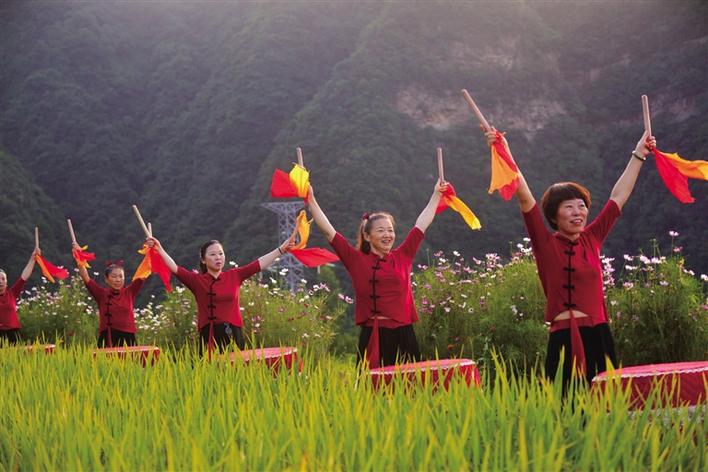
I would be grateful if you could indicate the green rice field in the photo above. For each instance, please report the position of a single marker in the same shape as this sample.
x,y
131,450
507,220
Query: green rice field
x,y
69,411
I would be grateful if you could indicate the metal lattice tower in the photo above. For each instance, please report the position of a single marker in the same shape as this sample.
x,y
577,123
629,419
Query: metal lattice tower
x,y
287,216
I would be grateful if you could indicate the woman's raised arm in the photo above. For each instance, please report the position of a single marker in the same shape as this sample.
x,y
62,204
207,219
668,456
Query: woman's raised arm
x,y
320,218
625,184
427,216
267,260
27,271
171,264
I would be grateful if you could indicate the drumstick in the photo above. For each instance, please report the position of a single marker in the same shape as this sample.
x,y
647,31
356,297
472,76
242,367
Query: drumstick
x,y
441,172
299,157
475,109
150,227
140,220
647,117
71,231
36,237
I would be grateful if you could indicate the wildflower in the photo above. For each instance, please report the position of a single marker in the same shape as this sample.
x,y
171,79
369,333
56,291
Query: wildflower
x,y
673,234
663,283
628,257
455,253
677,249
704,277
630,268
628,285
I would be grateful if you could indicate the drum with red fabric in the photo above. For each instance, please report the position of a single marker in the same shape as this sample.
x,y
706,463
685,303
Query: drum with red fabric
x,y
273,357
681,383
427,372
144,354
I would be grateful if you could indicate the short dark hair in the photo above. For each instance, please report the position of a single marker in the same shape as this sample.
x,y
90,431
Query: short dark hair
x,y
202,253
365,227
560,192
111,267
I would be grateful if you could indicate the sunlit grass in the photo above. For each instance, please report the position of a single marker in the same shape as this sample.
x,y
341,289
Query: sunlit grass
x,y
68,411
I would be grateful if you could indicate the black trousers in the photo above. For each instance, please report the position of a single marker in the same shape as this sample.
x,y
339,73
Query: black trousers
x,y
224,334
10,336
395,345
118,338
599,346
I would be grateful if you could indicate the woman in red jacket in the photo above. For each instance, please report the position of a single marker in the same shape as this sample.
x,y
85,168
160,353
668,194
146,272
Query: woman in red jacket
x,y
568,262
116,320
216,290
381,276
9,323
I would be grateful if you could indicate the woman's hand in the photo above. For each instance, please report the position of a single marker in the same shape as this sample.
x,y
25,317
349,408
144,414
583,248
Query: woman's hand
x,y
645,145
490,134
441,187
153,242
289,243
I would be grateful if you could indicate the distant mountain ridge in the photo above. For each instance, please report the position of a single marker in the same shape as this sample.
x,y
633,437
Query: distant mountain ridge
x,y
187,109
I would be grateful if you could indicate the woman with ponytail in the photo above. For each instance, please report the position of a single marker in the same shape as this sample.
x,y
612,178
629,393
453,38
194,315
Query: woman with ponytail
x,y
381,276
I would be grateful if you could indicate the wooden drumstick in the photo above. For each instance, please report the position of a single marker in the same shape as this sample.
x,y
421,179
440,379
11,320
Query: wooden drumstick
x,y
476,110
150,227
299,157
71,231
141,221
441,172
36,237
647,117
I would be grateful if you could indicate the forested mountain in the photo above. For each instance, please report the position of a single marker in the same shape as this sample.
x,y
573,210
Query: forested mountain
x,y
187,108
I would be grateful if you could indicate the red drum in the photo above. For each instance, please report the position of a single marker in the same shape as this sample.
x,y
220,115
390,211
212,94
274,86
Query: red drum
x,y
140,353
432,372
271,356
48,348
680,383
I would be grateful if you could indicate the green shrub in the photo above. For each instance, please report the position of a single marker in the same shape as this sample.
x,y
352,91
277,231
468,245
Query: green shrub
x,y
473,309
658,312
58,313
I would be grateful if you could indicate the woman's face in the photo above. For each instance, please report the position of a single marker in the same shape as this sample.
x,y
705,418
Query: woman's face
x,y
214,258
381,237
3,282
116,279
571,217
